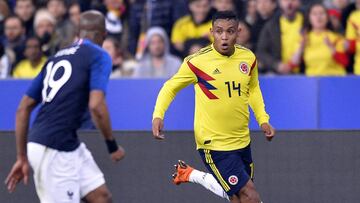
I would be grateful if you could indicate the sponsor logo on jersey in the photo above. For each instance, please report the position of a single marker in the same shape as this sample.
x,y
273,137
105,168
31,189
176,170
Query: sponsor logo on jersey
x,y
216,71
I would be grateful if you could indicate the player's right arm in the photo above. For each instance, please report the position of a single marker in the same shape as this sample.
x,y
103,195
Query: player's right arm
x,y
99,78
20,169
180,80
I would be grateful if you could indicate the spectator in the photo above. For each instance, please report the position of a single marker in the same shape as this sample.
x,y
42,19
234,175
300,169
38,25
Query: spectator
x,y
224,5
278,39
44,25
346,13
353,36
35,60
157,62
74,13
194,45
116,12
4,12
14,38
121,68
4,63
244,36
144,14
335,11
321,49
65,30
250,17
265,9
25,9
195,25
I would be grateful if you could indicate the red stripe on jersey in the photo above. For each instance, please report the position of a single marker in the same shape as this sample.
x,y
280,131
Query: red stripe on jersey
x,y
252,67
199,73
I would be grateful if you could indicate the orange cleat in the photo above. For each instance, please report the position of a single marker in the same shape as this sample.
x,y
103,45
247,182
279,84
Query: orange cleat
x,y
182,173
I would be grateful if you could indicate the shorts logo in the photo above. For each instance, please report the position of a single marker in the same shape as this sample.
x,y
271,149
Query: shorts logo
x,y
70,194
233,180
244,68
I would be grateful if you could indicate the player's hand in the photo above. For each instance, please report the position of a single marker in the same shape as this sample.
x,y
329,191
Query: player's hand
x,y
19,171
268,130
118,154
157,127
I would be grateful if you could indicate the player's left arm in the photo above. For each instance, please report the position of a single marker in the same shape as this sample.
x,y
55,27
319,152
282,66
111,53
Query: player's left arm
x,y
256,102
99,78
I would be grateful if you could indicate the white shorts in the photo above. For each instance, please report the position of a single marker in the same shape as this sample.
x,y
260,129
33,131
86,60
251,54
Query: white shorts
x,y
64,177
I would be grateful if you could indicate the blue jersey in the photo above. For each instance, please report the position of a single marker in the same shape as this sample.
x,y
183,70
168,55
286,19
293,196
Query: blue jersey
x,y
62,88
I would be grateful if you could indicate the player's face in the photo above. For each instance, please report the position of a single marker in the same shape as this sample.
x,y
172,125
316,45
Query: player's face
x,y
318,17
225,33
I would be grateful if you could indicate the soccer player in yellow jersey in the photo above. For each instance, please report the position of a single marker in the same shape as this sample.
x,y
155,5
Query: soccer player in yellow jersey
x,y
225,78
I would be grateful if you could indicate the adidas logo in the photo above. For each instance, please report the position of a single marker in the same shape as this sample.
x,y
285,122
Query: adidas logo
x,y
216,71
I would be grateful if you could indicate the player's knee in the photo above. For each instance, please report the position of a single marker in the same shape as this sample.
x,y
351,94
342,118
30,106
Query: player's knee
x,y
106,196
101,195
249,194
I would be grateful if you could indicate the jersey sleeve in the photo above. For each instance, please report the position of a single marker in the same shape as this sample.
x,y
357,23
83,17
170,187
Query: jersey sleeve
x,y
255,99
100,71
36,87
180,80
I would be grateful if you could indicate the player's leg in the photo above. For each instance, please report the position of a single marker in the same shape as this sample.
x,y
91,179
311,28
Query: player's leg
x,y
99,195
185,173
92,182
229,170
55,174
248,193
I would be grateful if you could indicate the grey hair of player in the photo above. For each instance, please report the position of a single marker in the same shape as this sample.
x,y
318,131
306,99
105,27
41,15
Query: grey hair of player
x,y
92,26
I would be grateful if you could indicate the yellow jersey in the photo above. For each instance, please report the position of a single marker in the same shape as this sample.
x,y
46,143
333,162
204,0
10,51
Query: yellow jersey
x,y
318,57
290,37
353,34
224,88
185,29
25,70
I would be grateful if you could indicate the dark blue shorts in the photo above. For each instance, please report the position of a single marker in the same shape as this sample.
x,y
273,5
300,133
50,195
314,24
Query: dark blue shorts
x,y
232,169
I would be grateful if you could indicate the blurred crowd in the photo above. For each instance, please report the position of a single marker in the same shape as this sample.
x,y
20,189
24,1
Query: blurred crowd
x,y
149,38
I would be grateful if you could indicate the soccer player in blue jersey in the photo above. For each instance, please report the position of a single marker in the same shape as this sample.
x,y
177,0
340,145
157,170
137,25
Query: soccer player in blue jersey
x,y
72,80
